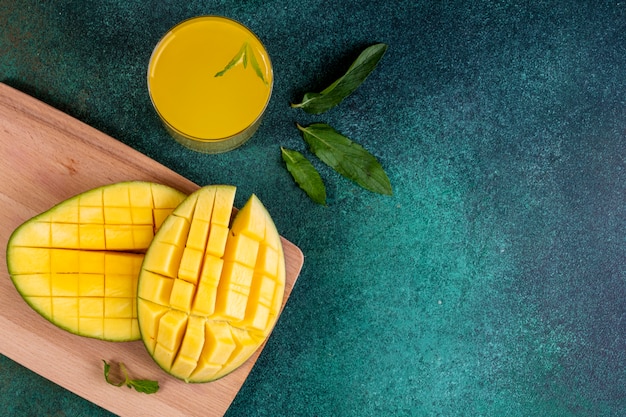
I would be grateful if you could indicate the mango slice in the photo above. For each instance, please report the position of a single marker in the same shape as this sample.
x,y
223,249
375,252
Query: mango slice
x,y
210,290
77,264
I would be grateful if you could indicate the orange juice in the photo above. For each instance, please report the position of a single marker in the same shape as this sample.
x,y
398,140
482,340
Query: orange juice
x,y
210,80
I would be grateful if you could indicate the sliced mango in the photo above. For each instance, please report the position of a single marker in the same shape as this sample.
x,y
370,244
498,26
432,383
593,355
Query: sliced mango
x,y
77,264
210,289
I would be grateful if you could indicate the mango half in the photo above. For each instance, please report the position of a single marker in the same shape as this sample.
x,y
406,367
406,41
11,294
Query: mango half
x,y
210,290
77,264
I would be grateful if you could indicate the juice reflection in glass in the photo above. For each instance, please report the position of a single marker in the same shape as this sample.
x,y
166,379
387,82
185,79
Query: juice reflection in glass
x,y
210,80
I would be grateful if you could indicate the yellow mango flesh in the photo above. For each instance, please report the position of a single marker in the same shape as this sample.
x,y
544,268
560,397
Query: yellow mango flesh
x,y
78,263
209,290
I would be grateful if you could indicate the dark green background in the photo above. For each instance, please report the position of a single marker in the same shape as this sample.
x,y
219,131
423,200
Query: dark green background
x,y
493,281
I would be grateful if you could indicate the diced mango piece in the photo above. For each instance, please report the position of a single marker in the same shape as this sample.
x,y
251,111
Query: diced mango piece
x,y
65,311
198,234
142,235
186,209
267,261
150,314
171,329
172,326
91,325
122,263
118,328
119,237
242,249
65,213
63,285
182,295
190,265
119,307
223,205
218,236
205,371
92,198
174,231
31,261
259,304
142,197
64,235
233,291
91,262
164,259
155,288
206,294
205,204
117,195
191,348
251,220
204,301
219,343
163,198
183,365
91,236
35,285
91,215
193,340
246,344
39,231
142,215
63,261
91,285
118,215
120,285
91,307
163,356
211,270
42,305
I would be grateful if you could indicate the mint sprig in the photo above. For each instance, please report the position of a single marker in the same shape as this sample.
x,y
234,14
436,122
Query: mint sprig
x,y
145,386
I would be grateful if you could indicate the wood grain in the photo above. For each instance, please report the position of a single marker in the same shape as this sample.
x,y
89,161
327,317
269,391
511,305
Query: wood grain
x,y
47,157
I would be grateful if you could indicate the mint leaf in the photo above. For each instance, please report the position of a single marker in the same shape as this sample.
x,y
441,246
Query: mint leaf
x,y
346,157
140,385
305,175
145,386
255,64
241,55
316,103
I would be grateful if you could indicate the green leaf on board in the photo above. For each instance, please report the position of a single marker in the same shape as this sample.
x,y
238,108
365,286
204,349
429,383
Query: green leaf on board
x,y
145,386
346,157
305,175
316,103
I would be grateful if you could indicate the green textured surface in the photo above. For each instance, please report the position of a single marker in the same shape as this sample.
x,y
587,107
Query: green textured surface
x,y
493,281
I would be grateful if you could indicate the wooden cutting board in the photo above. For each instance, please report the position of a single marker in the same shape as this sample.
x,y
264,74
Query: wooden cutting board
x,y
47,157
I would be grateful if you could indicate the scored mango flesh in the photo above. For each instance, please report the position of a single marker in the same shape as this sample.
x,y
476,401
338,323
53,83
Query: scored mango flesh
x,y
210,291
78,263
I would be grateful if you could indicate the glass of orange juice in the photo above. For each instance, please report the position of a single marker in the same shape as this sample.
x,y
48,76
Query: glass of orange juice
x,y
210,80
